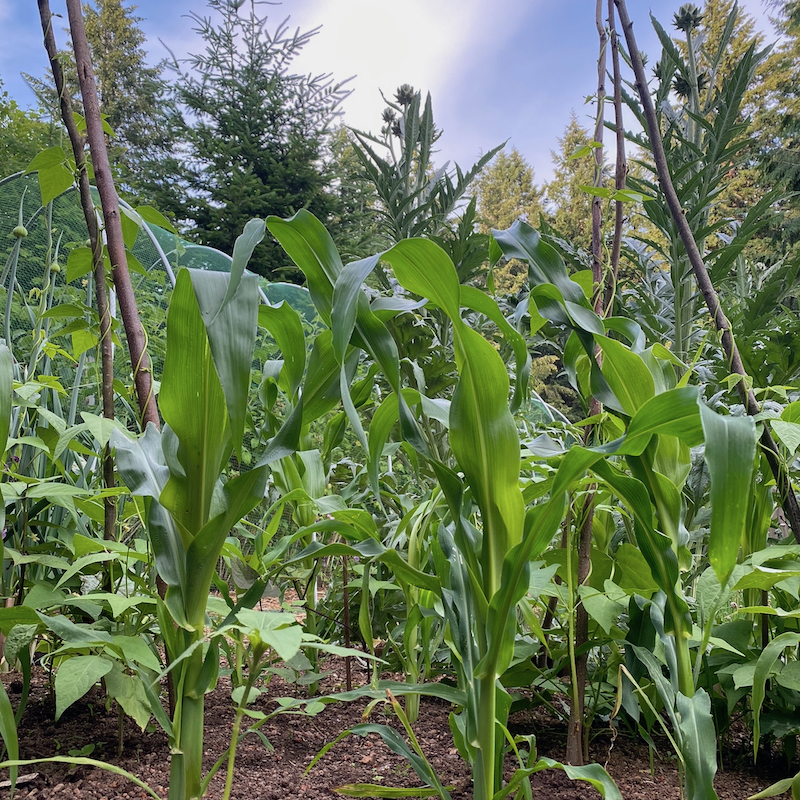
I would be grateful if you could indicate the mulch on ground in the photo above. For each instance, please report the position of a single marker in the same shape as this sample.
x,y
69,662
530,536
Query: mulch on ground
x,y
279,774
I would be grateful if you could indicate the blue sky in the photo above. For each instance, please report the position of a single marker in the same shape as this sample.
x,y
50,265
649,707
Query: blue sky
x,y
506,69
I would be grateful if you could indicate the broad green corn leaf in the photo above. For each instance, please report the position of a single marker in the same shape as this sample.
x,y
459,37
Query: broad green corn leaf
x,y
766,661
239,496
321,388
541,524
231,331
243,248
777,789
286,328
192,403
474,298
143,469
627,375
348,301
311,247
656,548
699,744
483,433
544,263
593,774
80,761
398,745
730,457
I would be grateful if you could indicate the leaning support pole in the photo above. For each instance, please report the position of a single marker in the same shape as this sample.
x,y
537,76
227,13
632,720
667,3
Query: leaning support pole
x,y
621,168
134,332
787,496
109,201
100,291
579,655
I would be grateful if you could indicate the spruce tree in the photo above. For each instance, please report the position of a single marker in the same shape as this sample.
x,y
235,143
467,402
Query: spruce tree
x,y
569,206
506,192
256,133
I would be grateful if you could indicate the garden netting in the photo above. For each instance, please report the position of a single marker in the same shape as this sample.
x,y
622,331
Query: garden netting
x,y
56,230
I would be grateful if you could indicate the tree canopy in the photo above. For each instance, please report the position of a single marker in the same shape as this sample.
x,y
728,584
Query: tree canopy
x,y
255,133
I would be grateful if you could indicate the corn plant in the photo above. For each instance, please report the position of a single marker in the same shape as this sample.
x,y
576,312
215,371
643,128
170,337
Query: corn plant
x,y
645,469
189,507
486,549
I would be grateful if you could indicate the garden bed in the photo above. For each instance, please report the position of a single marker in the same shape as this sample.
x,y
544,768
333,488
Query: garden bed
x,y
279,775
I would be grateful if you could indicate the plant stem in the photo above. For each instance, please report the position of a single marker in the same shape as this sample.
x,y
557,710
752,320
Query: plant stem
x,y
484,773
573,754
187,760
237,724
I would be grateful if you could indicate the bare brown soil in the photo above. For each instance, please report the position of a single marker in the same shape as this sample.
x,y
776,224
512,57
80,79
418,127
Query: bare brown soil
x,y
279,775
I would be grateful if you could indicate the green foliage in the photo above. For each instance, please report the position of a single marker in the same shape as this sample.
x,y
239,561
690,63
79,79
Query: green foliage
x,y
776,123
435,479
255,132
568,204
506,193
133,96
22,135
705,138
416,198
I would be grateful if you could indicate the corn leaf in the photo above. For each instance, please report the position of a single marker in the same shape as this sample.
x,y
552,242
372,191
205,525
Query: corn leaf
x,y
192,402
730,457
698,744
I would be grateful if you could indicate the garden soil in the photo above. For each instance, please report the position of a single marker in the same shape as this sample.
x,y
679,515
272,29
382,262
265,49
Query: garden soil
x,y
280,773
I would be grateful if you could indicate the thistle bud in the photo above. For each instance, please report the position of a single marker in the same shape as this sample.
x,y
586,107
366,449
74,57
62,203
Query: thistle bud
x,y
688,18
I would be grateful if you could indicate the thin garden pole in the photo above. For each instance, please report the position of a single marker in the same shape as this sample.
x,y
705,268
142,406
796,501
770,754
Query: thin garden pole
x,y
788,498
101,293
109,201
621,166
576,726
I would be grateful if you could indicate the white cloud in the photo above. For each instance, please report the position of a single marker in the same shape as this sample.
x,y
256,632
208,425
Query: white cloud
x,y
385,43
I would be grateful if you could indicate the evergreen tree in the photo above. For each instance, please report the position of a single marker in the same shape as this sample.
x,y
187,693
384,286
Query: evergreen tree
x,y
256,134
569,206
133,96
22,135
777,122
506,192
354,221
